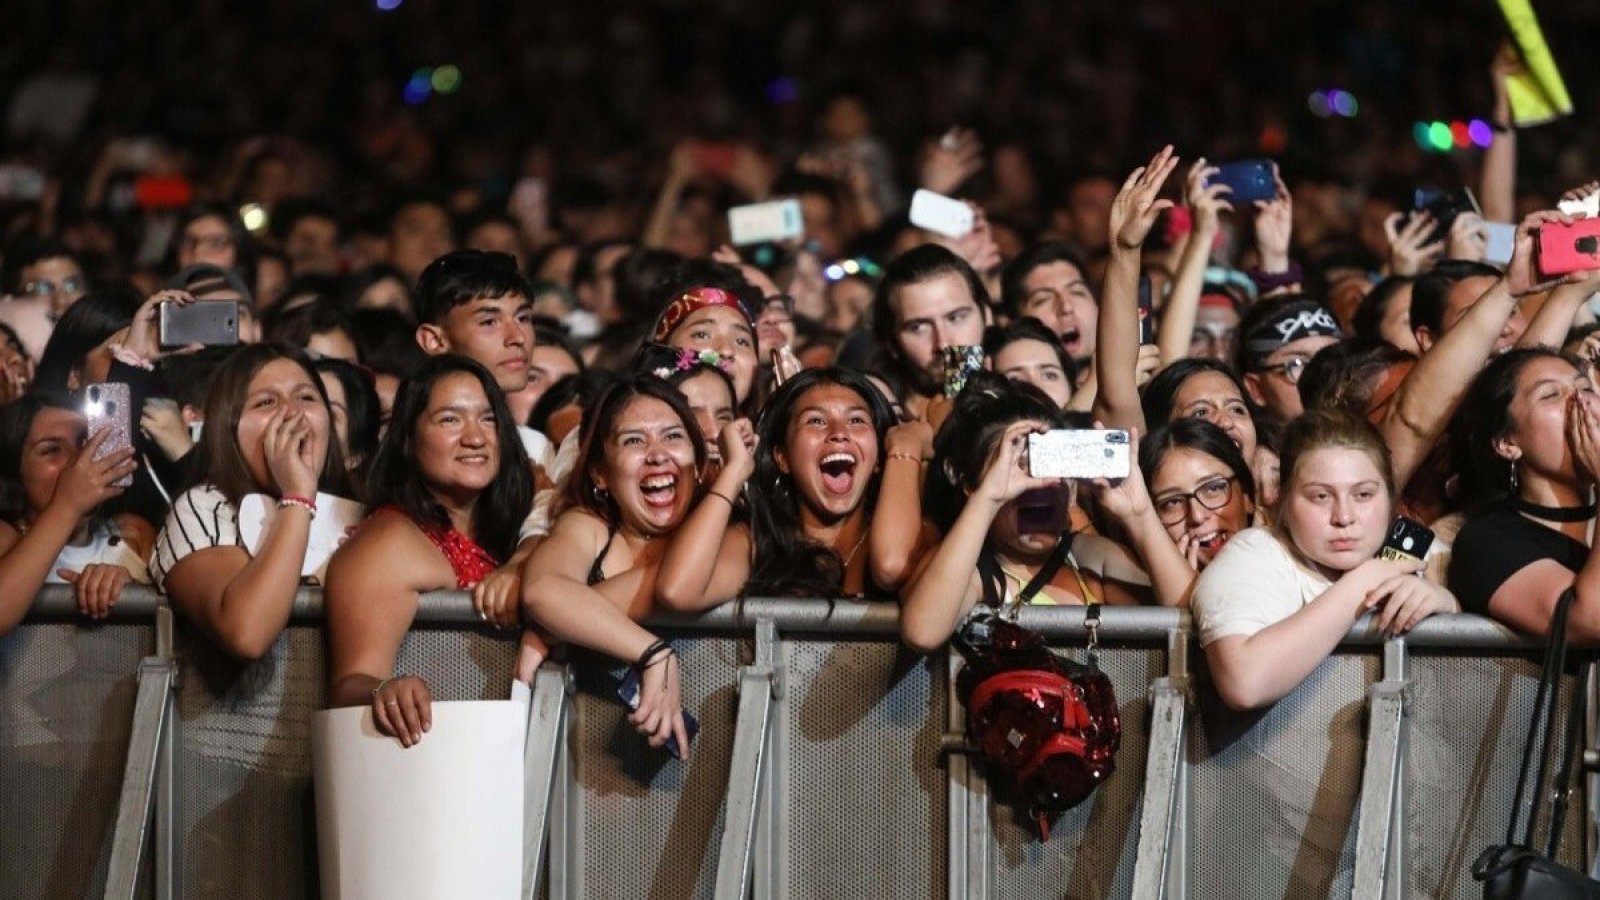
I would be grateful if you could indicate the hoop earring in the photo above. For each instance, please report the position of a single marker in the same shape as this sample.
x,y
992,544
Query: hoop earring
x,y
600,494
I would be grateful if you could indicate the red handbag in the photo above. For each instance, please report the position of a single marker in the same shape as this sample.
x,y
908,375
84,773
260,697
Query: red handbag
x,y
1047,727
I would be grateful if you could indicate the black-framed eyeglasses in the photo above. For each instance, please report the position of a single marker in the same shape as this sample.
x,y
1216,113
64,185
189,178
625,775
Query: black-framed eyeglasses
x,y
1213,495
1291,369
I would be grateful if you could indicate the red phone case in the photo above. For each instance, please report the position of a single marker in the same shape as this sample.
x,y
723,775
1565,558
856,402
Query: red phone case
x,y
1569,248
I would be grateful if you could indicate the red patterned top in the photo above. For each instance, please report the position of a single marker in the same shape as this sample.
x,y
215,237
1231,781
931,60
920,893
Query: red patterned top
x,y
467,559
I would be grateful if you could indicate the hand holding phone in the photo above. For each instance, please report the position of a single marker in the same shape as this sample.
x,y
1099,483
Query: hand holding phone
x,y
106,407
959,364
942,215
772,222
209,323
1407,540
1248,180
628,693
1080,453
1564,249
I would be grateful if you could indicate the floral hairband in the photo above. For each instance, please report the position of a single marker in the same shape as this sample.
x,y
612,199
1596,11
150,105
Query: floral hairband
x,y
689,359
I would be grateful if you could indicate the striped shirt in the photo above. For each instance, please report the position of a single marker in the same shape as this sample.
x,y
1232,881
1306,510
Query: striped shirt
x,y
200,518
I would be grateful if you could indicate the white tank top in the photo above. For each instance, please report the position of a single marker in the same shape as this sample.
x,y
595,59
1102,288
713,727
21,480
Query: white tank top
x,y
105,546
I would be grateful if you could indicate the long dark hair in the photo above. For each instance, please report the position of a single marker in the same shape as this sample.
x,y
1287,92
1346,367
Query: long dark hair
x,y
218,460
1198,435
84,326
981,412
786,562
395,478
1485,416
598,420
1159,392
362,409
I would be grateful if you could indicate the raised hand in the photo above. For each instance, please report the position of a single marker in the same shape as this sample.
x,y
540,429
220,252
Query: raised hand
x,y
1206,202
144,334
1005,476
89,482
1134,211
951,160
1583,432
288,447
1522,274
1409,250
737,445
1274,227
1469,237
1127,498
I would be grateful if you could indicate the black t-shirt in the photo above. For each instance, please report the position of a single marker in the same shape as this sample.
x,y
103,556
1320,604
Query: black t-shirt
x,y
1495,545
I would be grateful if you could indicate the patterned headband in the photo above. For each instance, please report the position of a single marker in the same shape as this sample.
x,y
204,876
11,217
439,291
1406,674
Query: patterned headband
x,y
690,301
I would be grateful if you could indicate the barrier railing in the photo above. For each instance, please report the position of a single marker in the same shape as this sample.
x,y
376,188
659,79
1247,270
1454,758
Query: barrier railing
x,y
136,762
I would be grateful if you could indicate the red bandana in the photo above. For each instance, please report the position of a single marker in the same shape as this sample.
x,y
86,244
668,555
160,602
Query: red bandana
x,y
688,302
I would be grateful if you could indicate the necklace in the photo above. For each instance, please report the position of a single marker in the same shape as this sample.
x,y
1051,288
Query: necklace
x,y
1554,513
852,555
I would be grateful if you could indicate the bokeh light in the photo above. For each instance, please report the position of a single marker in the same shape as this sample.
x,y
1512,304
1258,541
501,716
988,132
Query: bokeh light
x,y
446,79
419,87
389,5
1439,135
1480,132
1318,103
1343,103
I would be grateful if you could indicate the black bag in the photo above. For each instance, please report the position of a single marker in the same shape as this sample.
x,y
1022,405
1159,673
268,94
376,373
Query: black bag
x,y
1513,870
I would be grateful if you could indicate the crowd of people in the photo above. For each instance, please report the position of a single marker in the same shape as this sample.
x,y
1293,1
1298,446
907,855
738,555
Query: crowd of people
x,y
579,422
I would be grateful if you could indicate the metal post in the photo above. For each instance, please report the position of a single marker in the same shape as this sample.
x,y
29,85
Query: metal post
x,y
970,839
1380,826
1160,868
157,675
747,773
542,750
168,843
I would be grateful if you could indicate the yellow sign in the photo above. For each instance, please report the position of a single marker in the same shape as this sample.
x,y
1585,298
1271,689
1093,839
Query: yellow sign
x,y
1537,93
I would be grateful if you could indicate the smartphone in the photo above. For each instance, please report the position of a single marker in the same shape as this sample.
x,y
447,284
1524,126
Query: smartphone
x,y
106,406
1584,206
959,364
1147,311
162,192
1249,179
940,214
1569,248
1408,539
758,223
1444,206
211,323
628,693
1502,242
1080,453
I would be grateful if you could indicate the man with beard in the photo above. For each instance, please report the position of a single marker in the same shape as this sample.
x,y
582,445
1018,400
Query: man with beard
x,y
929,299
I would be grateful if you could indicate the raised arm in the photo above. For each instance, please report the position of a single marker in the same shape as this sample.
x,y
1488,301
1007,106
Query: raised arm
x,y
939,595
1128,501
1116,356
1206,205
1429,395
26,557
242,601
896,538
707,560
1497,191
680,169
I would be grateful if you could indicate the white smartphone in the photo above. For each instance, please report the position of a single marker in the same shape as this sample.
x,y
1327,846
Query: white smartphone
x,y
1502,241
1584,206
940,214
760,223
1080,453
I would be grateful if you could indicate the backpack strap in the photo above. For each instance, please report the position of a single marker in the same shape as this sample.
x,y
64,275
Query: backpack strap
x,y
1047,572
1543,722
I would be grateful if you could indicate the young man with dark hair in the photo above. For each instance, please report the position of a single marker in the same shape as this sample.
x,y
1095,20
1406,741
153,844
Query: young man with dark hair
x,y
478,305
1049,282
929,299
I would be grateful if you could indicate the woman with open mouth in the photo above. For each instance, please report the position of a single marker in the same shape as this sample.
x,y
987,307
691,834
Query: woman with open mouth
x,y
1200,484
705,379
1005,529
638,474
450,485
813,489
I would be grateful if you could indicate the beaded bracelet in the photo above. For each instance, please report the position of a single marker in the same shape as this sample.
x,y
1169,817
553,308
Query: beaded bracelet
x,y
650,653
306,503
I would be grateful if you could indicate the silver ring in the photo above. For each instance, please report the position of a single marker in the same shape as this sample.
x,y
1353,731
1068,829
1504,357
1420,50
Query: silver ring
x,y
391,703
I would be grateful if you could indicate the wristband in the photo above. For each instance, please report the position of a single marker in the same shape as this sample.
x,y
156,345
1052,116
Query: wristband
x,y
381,685
720,496
1498,127
650,653
306,503
900,454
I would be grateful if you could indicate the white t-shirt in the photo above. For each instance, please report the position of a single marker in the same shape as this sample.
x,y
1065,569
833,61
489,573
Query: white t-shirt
x,y
200,518
539,451
106,547
1253,583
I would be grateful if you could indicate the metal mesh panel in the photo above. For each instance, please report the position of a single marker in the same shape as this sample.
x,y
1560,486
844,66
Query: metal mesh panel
x,y
1275,793
244,756
866,795
1090,852
1469,718
66,709
649,824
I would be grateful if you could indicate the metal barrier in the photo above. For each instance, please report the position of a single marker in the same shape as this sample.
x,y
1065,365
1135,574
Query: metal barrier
x,y
135,762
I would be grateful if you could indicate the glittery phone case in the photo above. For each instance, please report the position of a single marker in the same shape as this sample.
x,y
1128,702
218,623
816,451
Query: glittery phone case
x,y
106,406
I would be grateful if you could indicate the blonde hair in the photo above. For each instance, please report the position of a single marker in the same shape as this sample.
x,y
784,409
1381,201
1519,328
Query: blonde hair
x,y
1324,429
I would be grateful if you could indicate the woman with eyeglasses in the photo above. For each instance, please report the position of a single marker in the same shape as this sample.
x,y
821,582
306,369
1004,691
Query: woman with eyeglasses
x,y
1200,485
45,270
